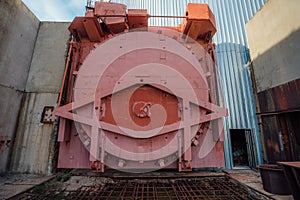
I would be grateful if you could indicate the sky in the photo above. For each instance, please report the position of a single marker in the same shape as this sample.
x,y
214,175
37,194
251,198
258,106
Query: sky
x,y
56,10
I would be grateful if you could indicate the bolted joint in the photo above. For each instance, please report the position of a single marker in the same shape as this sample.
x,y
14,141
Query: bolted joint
x,y
121,163
161,162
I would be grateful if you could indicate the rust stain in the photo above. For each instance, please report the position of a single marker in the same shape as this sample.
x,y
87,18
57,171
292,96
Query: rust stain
x,y
5,141
281,98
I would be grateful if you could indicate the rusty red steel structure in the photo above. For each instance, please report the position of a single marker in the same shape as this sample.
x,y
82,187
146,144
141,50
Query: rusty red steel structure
x,y
140,98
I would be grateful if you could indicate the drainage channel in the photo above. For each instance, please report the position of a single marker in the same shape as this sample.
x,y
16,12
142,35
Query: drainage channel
x,y
221,187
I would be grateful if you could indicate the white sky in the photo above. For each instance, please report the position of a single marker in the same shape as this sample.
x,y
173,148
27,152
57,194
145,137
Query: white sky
x,y
56,10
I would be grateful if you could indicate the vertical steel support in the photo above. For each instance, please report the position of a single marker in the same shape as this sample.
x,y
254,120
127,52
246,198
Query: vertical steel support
x,y
186,163
97,140
94,151
179,136
102,143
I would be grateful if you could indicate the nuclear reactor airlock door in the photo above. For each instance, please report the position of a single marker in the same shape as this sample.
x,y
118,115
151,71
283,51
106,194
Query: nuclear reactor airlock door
x,y
141,101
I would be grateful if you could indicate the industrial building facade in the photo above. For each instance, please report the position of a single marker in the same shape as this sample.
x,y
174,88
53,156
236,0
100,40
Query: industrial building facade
x,y
32,82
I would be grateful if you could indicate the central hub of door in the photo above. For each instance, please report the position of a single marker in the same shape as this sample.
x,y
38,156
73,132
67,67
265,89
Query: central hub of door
x,y
141,112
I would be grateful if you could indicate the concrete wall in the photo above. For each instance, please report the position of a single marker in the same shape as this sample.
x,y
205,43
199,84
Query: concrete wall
x,y
32,60
18,32
34,146
274,40
32,149
49,56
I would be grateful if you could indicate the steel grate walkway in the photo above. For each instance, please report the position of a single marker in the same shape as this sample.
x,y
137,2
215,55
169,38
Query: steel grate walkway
x,y
201,188
150,189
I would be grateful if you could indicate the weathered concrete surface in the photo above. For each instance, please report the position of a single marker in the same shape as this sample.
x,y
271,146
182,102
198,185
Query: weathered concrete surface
x,y
34,142
9,108
273,36
13,184
49,56
18,31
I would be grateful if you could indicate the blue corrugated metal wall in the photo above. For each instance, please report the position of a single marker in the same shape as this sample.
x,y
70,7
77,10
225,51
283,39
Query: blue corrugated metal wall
x,y
232,56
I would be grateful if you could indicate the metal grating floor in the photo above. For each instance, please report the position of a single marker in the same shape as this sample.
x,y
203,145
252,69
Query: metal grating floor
x,y
189,188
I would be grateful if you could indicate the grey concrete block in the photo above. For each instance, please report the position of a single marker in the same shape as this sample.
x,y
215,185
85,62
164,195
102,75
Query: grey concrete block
x,y
49,57
18,31
278,65
273,36
33,149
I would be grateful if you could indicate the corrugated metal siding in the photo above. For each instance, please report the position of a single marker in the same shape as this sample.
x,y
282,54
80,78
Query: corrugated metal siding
x,y
232,56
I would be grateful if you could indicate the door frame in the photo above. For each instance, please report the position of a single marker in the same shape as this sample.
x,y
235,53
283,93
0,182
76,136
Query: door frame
x,y
251,149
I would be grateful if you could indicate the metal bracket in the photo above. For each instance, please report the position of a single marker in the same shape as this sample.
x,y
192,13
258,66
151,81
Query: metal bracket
x,y
48,116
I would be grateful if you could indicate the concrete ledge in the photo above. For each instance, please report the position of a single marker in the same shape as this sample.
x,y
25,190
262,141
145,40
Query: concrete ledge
x,y
14,184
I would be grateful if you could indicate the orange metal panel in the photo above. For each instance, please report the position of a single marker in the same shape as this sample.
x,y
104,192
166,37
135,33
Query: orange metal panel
x,y
137,18
200,20
92,29
86,28
104,10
